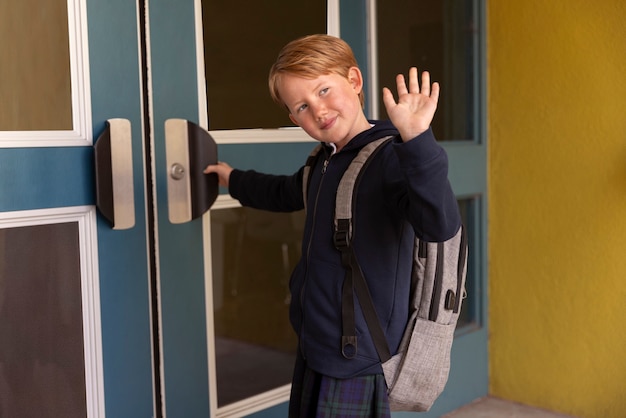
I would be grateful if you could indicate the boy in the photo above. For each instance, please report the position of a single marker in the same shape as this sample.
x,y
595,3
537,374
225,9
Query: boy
x,y
405,191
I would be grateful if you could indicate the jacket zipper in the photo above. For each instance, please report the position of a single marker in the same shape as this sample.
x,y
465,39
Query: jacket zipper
x,y
308,249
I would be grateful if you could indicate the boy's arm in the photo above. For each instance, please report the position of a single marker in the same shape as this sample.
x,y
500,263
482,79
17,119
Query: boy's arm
x,y
430,204
415,109
278,193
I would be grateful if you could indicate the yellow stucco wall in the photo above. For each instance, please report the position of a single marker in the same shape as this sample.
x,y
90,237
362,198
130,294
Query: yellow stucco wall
x,y
557,204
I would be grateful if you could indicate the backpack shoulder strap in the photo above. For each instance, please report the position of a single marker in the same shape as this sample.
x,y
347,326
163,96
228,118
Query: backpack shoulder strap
x,y
350,176
350,181
306,174
354,280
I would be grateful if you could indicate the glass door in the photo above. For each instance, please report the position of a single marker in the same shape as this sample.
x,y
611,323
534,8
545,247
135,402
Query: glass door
x,y
253,252
252,344
95,319
75,326
154,319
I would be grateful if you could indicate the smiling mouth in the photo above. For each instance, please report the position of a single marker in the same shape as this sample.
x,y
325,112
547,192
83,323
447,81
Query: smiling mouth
x,y
328,123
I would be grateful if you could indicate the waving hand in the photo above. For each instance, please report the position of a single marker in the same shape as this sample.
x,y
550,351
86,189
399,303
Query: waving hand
x,y
415,108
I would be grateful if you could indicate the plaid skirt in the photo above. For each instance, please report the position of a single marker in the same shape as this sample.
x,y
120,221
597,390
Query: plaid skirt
x,y
317,396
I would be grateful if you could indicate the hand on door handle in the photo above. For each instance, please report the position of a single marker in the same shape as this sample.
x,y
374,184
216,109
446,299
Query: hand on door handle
x,y
189,149
222,170
115,195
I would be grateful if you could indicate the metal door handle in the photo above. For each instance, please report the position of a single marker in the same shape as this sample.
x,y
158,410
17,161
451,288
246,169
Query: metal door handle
x,y
115,195
188,150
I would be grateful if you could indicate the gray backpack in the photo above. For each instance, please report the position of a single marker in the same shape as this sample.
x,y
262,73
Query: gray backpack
x,y
418,373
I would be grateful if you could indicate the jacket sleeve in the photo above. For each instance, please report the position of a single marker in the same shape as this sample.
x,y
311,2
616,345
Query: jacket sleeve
x,y
277,193
428,200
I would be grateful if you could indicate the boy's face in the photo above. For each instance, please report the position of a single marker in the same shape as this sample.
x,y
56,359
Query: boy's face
x,y
327,107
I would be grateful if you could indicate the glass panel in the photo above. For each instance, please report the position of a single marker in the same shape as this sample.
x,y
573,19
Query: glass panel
x,y
241,42
469,310
35,87
438,36
42,369
253,255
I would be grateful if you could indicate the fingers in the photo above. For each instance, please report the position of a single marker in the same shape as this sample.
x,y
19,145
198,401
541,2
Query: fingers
x,y
435,91
414,86
216,168
425,82
401,85
426,89
222,170
388,99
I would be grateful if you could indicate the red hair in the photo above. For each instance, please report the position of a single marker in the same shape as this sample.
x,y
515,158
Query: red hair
x,y
310,57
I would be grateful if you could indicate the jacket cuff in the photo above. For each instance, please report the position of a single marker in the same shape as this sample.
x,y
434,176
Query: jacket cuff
x,y
234,182
420,150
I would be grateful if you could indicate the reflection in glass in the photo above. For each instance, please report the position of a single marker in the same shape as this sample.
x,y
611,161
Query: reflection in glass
x,y
253,254
35,81
441,37
241,42
42,366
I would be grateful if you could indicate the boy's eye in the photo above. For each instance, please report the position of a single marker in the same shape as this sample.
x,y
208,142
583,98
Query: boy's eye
x,y
301,108
323,91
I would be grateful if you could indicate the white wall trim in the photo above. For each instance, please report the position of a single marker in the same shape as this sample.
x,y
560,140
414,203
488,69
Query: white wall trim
x,y
81,134
85,216
372,55
261,136
333,17
203,111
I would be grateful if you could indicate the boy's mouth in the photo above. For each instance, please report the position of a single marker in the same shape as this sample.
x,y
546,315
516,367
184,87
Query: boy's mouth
x,y
328,123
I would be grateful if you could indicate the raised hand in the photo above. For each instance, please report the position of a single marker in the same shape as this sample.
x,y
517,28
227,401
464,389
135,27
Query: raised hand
x,y
415,109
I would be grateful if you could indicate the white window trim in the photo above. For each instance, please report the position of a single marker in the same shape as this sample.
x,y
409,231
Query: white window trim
x,y
372,59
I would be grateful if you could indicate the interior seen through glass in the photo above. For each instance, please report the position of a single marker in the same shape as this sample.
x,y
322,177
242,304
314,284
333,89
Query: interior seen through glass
x,y
42,362
438,36
241,42
253,255
35,80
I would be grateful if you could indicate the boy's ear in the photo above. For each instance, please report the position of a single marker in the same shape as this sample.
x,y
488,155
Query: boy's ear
x,y
356,79
293,119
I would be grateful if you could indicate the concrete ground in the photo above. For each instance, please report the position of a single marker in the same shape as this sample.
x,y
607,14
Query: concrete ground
x,y
490,407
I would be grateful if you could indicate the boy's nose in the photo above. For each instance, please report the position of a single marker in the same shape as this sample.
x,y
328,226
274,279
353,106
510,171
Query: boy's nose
x,y
320,111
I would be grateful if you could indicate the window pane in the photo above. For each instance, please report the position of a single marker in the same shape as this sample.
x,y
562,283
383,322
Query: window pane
x,y
241,41
42,363
35,82
253,255
438,36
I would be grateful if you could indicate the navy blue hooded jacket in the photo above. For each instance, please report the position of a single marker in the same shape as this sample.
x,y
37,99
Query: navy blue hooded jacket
x,y
404,191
